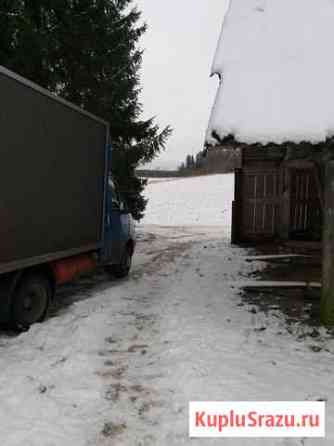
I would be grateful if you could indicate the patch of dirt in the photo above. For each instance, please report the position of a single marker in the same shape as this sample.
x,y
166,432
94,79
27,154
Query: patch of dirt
x,y
138,388
160,258
137,347
60,361
110,340
108,363
116,373
114,391
111,429
119,372
148,405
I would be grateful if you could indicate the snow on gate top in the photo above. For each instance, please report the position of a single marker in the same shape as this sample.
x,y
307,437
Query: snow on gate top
x,y
277,69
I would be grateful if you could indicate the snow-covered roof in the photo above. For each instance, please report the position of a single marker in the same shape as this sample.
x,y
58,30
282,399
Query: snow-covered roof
x,y
277,72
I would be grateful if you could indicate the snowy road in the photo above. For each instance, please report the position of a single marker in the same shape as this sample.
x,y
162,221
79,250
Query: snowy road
x,y
118,362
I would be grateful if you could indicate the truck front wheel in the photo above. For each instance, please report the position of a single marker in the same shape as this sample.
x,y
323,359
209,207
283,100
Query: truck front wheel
x,y
123,269
31,301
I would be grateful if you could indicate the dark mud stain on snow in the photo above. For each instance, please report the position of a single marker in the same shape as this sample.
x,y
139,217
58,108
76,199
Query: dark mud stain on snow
x,y
296,305
161,257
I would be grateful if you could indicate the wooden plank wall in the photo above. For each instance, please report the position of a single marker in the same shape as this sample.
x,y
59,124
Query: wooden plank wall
x,y
273,200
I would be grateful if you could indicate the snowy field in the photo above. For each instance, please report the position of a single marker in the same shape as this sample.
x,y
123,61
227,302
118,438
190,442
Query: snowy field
x,y
204,201
118,361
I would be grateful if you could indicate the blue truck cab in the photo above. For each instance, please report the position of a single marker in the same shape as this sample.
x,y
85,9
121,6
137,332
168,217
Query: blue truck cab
x,y
119,232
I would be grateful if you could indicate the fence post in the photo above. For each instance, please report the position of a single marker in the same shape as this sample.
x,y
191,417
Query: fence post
x,y
237,207
327,299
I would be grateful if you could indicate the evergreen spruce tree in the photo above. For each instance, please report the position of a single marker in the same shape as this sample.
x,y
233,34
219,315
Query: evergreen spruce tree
x,y
87,52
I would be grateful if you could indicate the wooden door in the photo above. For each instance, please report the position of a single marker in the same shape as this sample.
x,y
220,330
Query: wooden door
x,y
257,204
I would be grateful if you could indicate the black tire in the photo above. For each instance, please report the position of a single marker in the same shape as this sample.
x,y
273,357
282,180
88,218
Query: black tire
x,y
122,270
31,301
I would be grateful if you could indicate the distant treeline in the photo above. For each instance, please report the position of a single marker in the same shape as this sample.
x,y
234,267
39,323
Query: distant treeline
x,y
211,160
208,161
146,173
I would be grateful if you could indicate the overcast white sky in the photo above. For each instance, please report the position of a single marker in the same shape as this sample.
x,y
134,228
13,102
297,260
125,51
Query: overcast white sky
x,y
179,48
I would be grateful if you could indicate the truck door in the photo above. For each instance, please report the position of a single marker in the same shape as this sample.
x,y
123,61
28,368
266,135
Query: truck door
x,y
116,234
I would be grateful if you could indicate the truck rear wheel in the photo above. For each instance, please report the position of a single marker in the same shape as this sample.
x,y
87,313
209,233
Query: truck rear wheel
x,y
31,301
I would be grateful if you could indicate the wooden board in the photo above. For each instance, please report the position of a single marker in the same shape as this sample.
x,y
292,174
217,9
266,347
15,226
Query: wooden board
x,y
275,257
253,284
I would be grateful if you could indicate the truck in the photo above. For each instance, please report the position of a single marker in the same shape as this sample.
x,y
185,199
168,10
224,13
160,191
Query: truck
x,y
61,214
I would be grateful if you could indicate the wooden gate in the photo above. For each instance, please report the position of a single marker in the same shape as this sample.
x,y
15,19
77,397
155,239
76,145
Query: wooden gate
x,y
277,202
305,208
256,206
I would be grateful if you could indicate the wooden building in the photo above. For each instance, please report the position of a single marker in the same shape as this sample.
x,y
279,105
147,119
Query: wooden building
x,y
275,102
276,105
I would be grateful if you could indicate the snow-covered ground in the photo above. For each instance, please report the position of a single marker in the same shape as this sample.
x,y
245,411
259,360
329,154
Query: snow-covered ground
x,y
119,361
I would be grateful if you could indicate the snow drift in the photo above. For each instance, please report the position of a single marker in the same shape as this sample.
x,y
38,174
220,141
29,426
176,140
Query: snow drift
x,y
274,59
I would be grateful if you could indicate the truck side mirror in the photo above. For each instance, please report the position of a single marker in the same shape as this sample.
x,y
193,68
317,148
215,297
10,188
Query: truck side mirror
x,y
124,208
